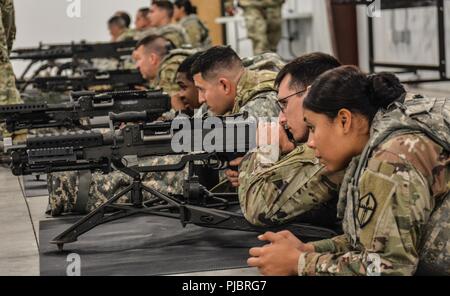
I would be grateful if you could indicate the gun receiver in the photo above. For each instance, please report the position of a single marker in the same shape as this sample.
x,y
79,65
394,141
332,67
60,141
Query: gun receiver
x,y
87,105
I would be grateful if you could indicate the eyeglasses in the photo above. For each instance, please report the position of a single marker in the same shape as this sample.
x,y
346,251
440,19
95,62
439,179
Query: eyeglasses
x,y
282,103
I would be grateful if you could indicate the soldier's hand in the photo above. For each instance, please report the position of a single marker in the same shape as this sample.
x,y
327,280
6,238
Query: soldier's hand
x,y
232,175
122,125
279,257
286,145
302,247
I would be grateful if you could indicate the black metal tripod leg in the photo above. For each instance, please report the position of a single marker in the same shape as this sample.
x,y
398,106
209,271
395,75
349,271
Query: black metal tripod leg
x,y
88,222
161,196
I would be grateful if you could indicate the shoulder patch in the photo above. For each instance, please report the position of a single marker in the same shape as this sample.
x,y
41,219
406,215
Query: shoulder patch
x,y
366,209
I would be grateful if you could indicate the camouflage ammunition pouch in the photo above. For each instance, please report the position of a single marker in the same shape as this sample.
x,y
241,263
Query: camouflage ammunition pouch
x,y
82,192
435,249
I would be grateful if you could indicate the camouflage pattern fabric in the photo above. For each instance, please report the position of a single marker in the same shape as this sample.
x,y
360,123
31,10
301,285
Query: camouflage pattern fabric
x,y
128,34
390,193
264,23
435,254
267,61
64,191
256,94
197,31
292,187
8,91
256,3
167,70
172,32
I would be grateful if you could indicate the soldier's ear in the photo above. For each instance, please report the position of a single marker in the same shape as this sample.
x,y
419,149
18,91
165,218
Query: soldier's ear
x,y
154,58
344,120
225,84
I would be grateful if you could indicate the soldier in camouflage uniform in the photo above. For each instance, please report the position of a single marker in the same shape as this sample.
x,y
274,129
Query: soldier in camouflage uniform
x,y
83,192
159,64
142,21
186,16
264,22
275,191
161,13
118,29
394,197
8,91
246,91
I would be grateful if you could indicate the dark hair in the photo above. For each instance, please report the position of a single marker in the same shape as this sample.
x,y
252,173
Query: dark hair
x,y
144,11
117,21
156,43
186,65
165,5
215,58
125,16
305,69
347,87
187,5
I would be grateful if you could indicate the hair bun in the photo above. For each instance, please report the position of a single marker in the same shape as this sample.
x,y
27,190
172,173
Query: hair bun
x,y
385,88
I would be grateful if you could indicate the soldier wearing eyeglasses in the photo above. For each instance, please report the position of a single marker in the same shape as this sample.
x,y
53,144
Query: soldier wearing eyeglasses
x,y
293,187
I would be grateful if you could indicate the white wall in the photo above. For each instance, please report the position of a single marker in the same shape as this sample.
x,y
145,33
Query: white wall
x,y
47,21
422,48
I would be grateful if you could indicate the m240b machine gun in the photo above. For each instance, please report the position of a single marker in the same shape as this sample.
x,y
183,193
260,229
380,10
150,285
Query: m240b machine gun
x,y
210,141
115,80
77,52
73,50
87,105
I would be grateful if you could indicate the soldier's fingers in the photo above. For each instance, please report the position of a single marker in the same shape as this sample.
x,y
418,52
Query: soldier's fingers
x,y
253,262
231,173
255,252
236,162
285,233
270,236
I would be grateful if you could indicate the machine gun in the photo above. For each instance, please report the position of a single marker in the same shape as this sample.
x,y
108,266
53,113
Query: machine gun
x,y
210,141
116,80
85,105
77,52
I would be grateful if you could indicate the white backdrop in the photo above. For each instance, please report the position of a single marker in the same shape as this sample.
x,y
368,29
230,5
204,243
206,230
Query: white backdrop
x,y
48,21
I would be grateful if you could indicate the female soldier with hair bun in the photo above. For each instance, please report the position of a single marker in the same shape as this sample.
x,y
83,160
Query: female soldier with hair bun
x,y
186,15
397,182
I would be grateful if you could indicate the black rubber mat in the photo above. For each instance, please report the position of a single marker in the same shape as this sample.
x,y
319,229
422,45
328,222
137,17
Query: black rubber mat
x,y
145,245
35,187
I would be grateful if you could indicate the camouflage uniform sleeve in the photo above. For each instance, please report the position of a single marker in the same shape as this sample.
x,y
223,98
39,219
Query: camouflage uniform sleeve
x,y
194,33
167,80
397,195
263,106
8,91
176,38
338,244
275,194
